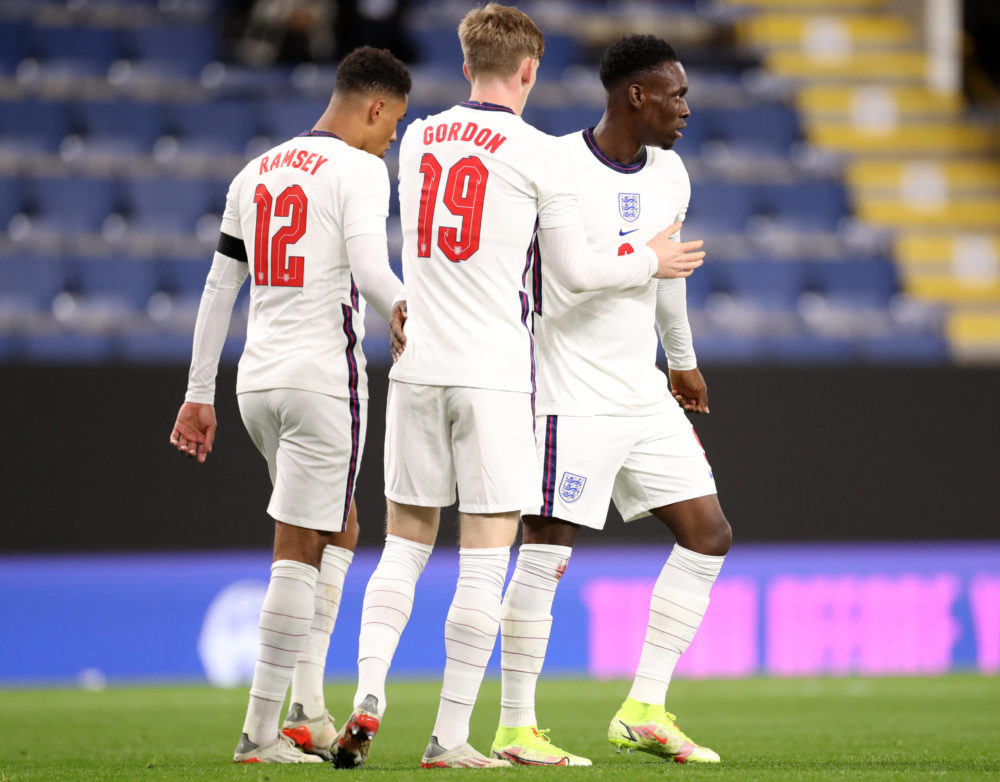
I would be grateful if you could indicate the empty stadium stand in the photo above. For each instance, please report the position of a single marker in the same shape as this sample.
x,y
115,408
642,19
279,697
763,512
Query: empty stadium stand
x,y
849,214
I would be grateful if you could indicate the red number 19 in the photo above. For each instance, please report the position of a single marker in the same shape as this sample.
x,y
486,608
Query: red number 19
x,y
465,197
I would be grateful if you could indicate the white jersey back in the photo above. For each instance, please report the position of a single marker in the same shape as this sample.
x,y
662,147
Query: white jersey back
x,y
473,180
294,207
597,352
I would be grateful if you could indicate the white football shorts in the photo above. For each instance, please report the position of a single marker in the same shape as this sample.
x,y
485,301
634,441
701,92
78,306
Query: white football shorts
x,y
641,462
479,438
313,444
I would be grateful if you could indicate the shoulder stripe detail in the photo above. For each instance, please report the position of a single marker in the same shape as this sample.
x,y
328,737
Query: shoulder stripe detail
x,y
232,247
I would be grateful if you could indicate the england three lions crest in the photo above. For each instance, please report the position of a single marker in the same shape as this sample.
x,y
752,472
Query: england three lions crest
x,y
571,486
628,206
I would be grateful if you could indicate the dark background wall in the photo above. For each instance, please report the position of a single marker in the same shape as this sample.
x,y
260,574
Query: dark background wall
x,y
849,453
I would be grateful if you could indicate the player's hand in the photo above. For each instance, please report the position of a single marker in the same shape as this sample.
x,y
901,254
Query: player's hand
x,y
397,339
194,430
689,389
677,259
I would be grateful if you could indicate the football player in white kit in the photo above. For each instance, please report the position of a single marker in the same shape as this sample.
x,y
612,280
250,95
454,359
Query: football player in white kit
x,y
306,222
608,425
474,182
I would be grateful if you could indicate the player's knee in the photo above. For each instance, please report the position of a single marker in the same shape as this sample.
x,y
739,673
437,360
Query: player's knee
x,y
719,537
713,537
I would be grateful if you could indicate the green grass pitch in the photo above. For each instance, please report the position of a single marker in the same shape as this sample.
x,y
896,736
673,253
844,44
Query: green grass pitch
x,y
792,729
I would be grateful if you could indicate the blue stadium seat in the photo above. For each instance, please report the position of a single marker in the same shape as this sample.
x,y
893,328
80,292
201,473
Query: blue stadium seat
x,y
129,281
32,280
438,48
561,51
728,349
560,120
186,47
11,190
906,349
768,129
697,132
226,126
139,122
72,204
14,38
863,283
184,276
699,286
723,206
170,205
155,348
69,348
98,46
811,349
768,284
283,119
805,205
34,125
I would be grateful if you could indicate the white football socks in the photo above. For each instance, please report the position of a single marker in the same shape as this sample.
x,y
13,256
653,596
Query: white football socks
x,y
285,618
387,606
307,678
470,634
525,622
679,601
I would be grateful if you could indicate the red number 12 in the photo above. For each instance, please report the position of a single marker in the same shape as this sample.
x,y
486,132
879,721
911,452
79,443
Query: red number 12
x,y
284,271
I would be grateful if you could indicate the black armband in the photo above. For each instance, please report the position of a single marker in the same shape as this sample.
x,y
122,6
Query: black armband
x,y
232,247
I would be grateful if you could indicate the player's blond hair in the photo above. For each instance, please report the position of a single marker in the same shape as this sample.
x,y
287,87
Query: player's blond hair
x,y
496,38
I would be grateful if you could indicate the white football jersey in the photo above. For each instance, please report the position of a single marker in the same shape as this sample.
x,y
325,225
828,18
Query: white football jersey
x,y
473,180
294,207
597,351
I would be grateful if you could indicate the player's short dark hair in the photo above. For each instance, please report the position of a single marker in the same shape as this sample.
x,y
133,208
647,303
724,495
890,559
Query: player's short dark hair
x,y
370,70
632,56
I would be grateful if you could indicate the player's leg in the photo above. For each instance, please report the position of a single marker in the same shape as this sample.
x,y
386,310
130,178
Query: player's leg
x,y
668,473
494,452
473,619
389,595
308,723
296,433
525,625
419,479
285,617
577,477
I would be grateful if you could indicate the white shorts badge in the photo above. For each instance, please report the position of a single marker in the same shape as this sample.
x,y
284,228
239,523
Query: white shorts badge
x,y
571,486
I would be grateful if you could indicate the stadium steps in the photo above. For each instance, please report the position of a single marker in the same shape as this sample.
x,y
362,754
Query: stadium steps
x,y
874,105
811,5
915,164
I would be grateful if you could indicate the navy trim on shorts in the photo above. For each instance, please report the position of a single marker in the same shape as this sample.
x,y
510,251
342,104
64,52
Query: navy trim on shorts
x,y
549,466
232,247
621,168
355,405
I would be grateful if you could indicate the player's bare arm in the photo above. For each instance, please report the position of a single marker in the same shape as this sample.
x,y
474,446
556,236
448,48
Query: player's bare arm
x,y
676,259
689,389
194,430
